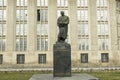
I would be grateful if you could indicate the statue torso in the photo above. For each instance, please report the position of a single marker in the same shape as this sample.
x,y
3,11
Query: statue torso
x,y
63,20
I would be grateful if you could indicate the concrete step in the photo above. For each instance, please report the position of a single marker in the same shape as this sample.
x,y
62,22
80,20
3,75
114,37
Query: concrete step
x,y
73,77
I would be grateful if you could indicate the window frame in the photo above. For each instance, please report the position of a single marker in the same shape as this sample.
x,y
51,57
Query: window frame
x,y
105,59
19,61
84,57
43,57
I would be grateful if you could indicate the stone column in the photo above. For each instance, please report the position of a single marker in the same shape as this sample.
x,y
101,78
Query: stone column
x,y
32,27
10,35
112,24
11,19
73,30
93,54
114,56
32,31
73,27
52,22
93,25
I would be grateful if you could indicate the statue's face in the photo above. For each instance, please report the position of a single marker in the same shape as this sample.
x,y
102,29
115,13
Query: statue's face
x,y
62,13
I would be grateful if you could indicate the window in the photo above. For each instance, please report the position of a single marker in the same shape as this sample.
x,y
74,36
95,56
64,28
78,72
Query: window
x,y
1,58
2,25
21,25
2,14
42,25
42,37
21,2
83,29
83,44
62,2
82,15
21,37
84,58
21,15
102,3
42,29
42,2
83,25
21,44
82,3
103,44
20,58
3,2
42,15
102,24
105,57
103,29
2,44
2,29
42,58
42,44
21,29
102,15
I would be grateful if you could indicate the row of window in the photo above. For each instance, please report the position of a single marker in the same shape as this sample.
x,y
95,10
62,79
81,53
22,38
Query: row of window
x,y
42,44
59,3
42,28
84,58
20,59
42,15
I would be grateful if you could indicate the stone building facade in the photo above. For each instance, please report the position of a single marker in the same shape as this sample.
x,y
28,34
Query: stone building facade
x,y
28,30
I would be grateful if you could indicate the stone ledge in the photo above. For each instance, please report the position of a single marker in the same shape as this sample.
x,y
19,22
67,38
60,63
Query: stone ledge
x,y
74,77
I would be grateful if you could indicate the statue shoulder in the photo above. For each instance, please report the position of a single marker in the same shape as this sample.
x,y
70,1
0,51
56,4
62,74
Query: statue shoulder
x,y
59,17
66,16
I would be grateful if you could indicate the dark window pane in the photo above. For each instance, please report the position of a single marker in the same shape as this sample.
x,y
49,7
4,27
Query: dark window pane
x,y
1,59
84,58
42,15
104,57
42,58
20,59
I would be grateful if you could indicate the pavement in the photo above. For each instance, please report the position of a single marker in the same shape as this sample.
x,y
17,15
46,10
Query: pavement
x,y
73,77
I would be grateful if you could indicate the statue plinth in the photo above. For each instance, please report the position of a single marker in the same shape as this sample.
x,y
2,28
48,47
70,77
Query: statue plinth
x,y
62,59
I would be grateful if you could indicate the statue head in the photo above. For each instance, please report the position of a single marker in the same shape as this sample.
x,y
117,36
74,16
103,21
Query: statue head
x,y
62,13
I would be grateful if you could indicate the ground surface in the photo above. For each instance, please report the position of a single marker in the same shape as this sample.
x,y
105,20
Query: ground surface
x,y
102,75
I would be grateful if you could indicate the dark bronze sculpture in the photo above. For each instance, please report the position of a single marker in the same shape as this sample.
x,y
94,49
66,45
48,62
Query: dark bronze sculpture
x,y
62,23
62,50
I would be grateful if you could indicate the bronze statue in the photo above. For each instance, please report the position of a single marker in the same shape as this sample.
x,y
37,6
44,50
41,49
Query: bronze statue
x,y
62,23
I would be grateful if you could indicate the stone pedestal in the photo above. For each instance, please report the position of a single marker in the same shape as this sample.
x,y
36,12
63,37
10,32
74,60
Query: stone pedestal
x,y
74,77
62,59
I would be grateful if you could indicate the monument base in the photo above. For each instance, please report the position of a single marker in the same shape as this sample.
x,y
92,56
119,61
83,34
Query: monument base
x,y
62,59
73,77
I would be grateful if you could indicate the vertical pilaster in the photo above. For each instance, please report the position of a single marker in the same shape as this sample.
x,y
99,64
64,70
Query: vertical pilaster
x,y
72,7
93,54
10,35
52,22
32,27
114,56
11,23
93,25
112,24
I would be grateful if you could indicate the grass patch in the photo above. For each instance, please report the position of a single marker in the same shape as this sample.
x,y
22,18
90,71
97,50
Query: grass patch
x,y
105,75
102,75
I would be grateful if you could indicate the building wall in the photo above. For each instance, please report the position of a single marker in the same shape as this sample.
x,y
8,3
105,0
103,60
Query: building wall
x,y
31,54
